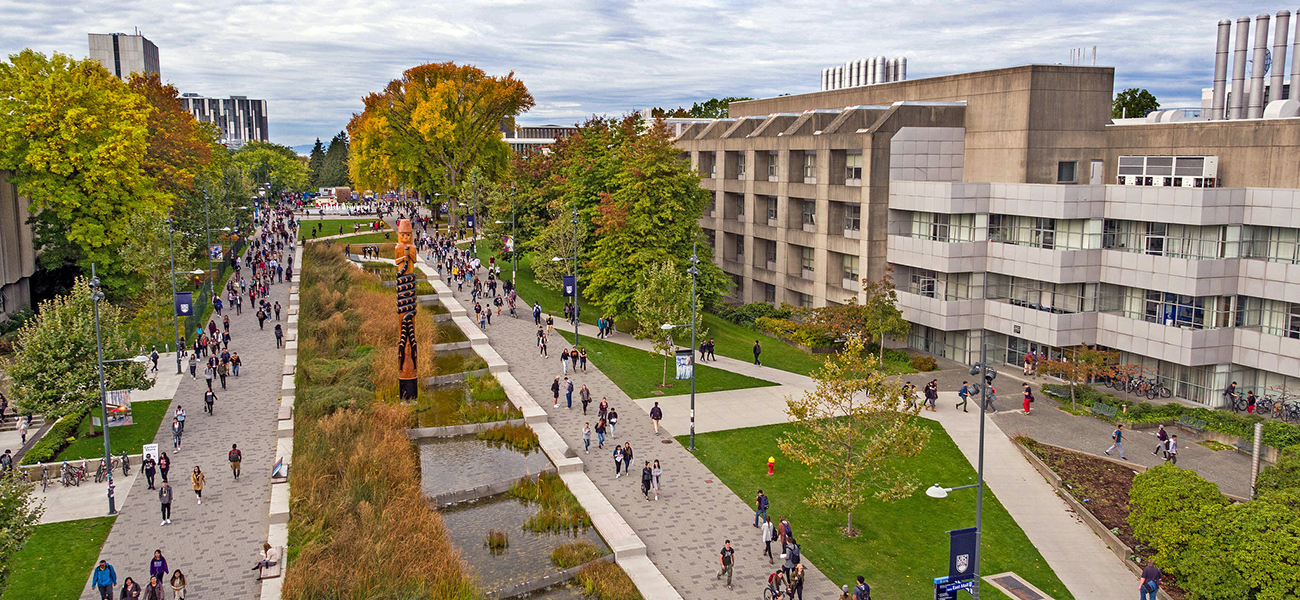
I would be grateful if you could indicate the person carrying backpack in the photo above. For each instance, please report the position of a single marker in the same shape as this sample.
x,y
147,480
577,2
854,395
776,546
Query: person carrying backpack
x,y
235,457
862,591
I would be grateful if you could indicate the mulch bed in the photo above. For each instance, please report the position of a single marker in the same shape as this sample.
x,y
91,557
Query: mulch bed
x,y
1103,488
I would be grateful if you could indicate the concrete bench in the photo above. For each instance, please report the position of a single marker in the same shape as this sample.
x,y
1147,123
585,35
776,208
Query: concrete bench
x,y
1104,410
1190,424
274,570
1245,447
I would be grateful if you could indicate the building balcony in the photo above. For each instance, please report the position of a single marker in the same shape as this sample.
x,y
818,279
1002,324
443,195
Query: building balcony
x,y
1185,346
1189,206
948,257
1191,277
938,313
1258,350
1040,325
1056,266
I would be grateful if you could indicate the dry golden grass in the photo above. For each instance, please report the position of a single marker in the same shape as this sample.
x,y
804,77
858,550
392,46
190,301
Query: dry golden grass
x,y
605,580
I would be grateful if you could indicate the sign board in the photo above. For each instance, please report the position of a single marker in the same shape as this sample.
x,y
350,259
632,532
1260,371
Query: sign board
x,y
120,398
150,450
469,221
569,284
184,303
685,363
961,554
509,244
953,586
214,251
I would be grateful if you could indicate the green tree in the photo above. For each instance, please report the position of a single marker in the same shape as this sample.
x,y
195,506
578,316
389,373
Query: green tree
x,y
20,513
54,366
315,164
664,296
75,138
714,108
1284,474
148,255
1080,366
852,431
880,313
272,163
334,167
1133,103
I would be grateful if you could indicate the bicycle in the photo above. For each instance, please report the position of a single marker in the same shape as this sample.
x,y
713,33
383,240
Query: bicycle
x,y
1264,405
100,473
126,464
1153,389
70,475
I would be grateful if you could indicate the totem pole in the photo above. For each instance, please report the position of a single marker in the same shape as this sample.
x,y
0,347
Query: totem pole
x,y
408,384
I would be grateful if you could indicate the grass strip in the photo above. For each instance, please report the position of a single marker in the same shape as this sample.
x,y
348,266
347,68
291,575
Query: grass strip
x,y
145,420
57,560
639,373
572,554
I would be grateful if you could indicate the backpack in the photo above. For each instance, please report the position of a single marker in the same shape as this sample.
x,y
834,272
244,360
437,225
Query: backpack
x,y
235,456
794,554
774,534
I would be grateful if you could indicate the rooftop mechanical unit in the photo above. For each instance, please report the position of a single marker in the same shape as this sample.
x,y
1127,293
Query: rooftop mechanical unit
x,y
1169,171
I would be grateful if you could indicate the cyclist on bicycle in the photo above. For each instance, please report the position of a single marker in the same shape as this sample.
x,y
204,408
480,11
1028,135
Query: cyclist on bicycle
x,y
774,583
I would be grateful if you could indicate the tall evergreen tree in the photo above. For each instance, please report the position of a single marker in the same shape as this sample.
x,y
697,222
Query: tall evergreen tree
x,y
315,164
334,170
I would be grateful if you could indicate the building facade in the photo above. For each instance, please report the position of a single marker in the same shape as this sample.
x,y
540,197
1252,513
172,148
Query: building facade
x,y
1014,216
17,251
124,54
536,138
240,118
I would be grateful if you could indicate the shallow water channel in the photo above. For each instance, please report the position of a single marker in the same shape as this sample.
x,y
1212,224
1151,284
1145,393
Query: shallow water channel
x,y
466,462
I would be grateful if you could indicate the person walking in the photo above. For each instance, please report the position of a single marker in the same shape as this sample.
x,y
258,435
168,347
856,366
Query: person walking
x,y
656,415
209,401
584,395
600,434
796,581
726,558
602,410
235,457
564,361
158,565
657,472
586,437
758,349
176,439
197,478
618,461
130,589
277,310
194,366
613,422
1171,449
582,357
760,508
932,394
1029,397
1162,445
208,374
964,395
627,458
148,466
862,591
178,585
555,392
279,336
769,536
22,429
103,579
647,479
164,465
1118,437
568,393
1149,584
154,590
235,362
222,372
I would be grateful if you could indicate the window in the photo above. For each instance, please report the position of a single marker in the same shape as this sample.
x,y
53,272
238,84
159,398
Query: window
x,y
810,166
771,165
740,165
740,247
769,292
998,230
739,282
771,251
941,227
806,259
853,217
810,213
850,267
923,283
1176,310
1170,239
805,300
771,208
853,168
1274,317
1275,244
1067,172
1155,238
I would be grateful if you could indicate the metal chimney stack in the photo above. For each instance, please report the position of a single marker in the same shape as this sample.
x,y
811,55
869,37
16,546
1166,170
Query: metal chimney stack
x,y
1280,31
902,68
1255,108
1236,97
881,63
1220,70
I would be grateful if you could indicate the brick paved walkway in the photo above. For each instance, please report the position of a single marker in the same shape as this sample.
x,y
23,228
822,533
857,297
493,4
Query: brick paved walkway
x,y
685,529
215,543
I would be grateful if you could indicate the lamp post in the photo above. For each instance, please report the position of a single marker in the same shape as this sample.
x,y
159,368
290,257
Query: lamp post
x,y
694,271
176,325
575,275
514,251
95,296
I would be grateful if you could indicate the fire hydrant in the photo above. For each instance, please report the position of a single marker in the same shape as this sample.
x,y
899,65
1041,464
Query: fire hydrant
x,y
771,465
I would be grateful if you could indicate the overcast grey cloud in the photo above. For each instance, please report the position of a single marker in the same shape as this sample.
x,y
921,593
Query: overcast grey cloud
x,y
313,61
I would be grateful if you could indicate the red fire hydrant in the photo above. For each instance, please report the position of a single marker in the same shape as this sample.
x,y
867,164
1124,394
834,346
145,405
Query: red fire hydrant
x,y
771,465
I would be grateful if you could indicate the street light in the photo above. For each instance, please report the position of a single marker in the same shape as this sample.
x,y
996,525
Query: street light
x,y
514,255
95,296
694,273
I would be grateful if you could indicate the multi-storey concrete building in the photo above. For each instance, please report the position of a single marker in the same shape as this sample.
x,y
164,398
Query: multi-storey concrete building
x,y
241,119
123,54
17,252
1011,211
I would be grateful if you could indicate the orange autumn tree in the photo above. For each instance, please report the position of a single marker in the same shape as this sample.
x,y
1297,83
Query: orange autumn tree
x,y
179,146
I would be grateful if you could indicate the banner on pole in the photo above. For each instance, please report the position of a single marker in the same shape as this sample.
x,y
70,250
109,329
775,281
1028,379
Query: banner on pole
x,y
509,244
685,363
469,221
184,303
961,554
569,285
214,252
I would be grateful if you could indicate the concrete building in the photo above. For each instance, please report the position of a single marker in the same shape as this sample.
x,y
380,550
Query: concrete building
x,y
537,138
240,118
17,253
123,54
1011,211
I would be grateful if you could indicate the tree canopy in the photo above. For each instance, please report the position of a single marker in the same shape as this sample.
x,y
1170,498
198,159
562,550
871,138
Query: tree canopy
x,y
179,147
279,165
315,163
334,164
1133,103
713,108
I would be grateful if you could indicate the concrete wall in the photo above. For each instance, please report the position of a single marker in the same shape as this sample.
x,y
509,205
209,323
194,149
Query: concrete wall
x,y
1252,153
17,254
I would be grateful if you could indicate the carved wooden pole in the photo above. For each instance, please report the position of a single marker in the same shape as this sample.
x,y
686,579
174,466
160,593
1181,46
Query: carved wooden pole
x,y
408,383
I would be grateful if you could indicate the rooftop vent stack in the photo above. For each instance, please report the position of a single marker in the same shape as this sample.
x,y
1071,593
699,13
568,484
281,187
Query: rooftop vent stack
x,y
1220,70
871,71
1237,96
825,79
1295,64
862,72
839,78
1255,107
857,72
848,74
880,69
1278,72
902,68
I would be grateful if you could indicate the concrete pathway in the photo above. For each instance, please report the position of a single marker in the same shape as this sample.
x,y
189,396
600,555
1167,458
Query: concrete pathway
x,y
214,543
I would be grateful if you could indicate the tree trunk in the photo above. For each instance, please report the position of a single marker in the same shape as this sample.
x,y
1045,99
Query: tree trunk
x,y
664,383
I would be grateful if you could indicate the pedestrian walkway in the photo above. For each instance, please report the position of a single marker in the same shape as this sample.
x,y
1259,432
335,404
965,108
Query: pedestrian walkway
x,y
217,542
683,531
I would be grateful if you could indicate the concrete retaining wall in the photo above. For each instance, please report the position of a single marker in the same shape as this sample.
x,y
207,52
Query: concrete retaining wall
x,y
457,430
539,584
452,378
482,491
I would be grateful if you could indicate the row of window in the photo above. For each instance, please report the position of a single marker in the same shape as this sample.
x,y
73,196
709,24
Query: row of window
x,y
806,210
806,161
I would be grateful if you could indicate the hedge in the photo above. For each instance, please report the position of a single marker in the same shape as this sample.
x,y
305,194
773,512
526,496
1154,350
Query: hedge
x,y
1277,434
56,439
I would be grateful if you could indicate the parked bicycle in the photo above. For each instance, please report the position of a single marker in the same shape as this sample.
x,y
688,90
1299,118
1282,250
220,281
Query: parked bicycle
x,y
126,464
70,475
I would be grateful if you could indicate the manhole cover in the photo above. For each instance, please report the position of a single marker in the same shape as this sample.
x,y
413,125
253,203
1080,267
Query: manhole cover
x,y
657,392
665,441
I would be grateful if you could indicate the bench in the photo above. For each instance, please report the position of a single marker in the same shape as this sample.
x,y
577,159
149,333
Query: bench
x,y
275,569
1245,447
1190,424
1104,410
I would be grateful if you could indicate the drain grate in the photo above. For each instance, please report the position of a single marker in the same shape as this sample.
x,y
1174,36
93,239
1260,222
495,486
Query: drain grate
x,y
1016,587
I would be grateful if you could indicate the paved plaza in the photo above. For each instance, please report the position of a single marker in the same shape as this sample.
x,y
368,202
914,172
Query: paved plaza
x,y
215,543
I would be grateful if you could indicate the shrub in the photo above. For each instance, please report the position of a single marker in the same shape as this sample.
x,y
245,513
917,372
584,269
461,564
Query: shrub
x,y
924,363
747,314
519,437
560,510
1166,505
1283,475
805,334
605,580
56,439
572,554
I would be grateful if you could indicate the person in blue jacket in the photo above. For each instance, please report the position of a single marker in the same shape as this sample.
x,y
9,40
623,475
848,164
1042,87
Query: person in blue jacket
x,y
104,579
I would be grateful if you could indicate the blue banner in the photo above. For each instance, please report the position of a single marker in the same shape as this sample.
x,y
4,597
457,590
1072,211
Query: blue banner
x,y
184,304
469,221
569,285
961,554
685,363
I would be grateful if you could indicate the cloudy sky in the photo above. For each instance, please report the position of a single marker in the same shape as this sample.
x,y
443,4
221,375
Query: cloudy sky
x,y
313,61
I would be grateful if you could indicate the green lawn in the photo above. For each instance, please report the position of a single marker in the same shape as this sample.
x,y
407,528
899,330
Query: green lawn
x,y
638,373
57,560
146,417
902,546
731,340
